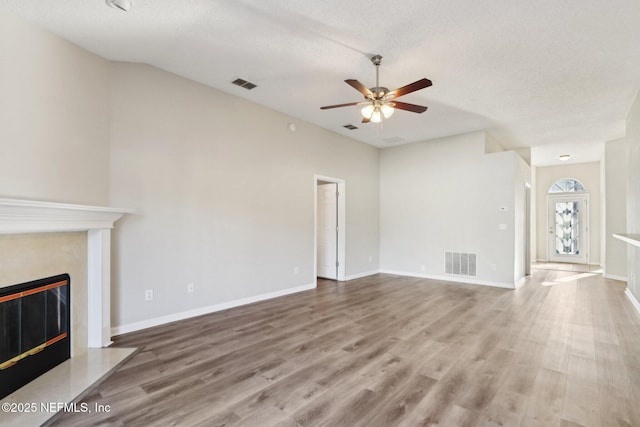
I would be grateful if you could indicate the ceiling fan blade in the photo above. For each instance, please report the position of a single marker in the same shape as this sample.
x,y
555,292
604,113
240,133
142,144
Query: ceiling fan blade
x,y
417,85
409,107
365,120
359,87
339,105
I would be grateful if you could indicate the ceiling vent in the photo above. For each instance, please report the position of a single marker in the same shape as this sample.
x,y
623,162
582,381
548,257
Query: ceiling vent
x,y
243,83
350,127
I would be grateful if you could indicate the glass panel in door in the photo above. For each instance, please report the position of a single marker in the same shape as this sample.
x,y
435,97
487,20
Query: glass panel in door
x,y
567,228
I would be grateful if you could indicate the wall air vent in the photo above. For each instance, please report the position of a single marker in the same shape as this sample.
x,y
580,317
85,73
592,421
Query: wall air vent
x,y
350,126
243,83
460,263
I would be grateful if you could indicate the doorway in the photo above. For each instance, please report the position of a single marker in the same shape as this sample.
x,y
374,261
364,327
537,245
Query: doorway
x,y
568,227
527,229
329,242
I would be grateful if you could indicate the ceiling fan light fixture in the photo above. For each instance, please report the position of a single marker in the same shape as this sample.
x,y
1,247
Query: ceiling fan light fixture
x,y
379,102
376,116
367,111
387,110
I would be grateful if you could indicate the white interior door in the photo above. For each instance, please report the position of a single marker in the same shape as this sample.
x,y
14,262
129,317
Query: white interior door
x,y
327,240
568,228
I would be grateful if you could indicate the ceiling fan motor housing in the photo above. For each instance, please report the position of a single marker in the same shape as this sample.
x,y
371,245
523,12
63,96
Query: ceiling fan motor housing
x,y
379,91
376,60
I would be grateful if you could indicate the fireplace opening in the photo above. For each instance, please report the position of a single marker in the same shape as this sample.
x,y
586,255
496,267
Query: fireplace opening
x,y
35,331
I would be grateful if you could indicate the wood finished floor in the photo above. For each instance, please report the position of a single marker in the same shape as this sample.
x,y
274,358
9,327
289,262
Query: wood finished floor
x,y
563,350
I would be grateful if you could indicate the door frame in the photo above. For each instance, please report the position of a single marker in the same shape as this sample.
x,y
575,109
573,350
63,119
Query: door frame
x,y
552,198
341,225
527,229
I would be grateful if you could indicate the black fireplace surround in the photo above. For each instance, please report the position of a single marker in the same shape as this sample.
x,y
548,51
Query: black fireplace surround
x,y
35,330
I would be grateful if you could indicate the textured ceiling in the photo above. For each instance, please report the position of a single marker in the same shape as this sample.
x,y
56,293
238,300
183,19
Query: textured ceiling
x,y
532,73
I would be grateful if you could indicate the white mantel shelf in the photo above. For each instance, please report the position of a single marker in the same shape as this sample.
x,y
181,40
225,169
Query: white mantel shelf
x,y
30,216
632,239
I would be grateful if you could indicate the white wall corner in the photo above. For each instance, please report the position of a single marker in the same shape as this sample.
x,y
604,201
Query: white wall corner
x,y
614,277
634,301
360,275
522,281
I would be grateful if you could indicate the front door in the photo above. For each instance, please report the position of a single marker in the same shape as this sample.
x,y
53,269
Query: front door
x,y
568,228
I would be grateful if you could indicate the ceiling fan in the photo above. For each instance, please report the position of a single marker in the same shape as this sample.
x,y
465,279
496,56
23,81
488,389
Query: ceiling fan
x,y
380,102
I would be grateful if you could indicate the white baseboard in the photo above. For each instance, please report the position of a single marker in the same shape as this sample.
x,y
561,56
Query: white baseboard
x,y
360,275
634,301
520,282
614,277
454,279
157,321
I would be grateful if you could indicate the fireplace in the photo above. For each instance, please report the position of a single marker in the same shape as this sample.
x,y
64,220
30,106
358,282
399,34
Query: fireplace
x,y
35,330
26,253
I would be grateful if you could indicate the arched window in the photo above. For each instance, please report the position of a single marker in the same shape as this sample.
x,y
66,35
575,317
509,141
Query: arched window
x,y
566,185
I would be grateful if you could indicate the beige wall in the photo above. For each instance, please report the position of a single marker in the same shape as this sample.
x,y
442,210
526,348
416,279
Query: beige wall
x,y
54,145
446,195
224,194
27,257
633,195
54,117
615,158
589,175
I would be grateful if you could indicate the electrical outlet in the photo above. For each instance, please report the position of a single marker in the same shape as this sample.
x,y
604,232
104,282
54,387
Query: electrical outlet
x,y
148,295
296,270
190,288
493,267
370,258
423,267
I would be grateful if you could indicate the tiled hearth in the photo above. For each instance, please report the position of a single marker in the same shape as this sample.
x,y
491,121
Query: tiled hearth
x,y
40,400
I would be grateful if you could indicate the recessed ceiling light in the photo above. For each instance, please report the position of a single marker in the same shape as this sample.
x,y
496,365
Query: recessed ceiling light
x,y
564,157
124,5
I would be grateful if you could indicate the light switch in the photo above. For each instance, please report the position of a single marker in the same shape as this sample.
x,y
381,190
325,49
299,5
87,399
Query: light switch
x,y
502,227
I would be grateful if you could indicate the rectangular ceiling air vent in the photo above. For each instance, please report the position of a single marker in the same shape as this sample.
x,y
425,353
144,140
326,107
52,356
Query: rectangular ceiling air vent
x,y
243,83
350,127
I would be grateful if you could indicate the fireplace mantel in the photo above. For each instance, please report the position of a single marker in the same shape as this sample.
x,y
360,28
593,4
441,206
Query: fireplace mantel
x,y
30,216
